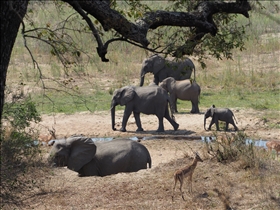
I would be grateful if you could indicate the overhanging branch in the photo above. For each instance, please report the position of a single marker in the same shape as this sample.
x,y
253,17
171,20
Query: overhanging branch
x,y
100,49
201,19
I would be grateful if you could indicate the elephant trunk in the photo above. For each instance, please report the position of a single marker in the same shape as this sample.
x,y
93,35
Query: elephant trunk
x,y
113,107
205,122
142,77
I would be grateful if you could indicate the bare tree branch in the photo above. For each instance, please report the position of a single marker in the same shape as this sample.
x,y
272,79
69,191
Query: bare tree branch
x,y
101,50
201,19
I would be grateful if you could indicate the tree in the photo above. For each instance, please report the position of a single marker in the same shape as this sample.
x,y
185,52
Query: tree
x,y
199,20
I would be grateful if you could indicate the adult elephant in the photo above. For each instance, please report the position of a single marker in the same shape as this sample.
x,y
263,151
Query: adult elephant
x,y
90,158
148,100
163,68
184,90
222,114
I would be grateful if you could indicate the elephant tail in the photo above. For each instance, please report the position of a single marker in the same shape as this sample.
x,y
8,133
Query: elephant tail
x,y
194,73
150,161
199,91
170,110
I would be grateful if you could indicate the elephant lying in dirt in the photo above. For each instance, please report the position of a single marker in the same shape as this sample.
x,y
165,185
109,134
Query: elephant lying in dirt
x,y
148,100
184,90
222,114
90,158
163,68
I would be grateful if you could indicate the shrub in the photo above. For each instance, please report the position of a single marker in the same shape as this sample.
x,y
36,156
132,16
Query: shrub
x,y
18,151
235,147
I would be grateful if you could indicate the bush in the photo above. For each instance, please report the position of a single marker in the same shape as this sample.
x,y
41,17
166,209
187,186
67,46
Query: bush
x,y
235,147
18,151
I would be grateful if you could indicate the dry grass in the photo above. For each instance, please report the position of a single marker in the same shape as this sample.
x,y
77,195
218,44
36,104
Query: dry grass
x,y
215,185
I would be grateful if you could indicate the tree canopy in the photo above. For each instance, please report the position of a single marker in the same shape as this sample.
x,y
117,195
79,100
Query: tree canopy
x,y
197,27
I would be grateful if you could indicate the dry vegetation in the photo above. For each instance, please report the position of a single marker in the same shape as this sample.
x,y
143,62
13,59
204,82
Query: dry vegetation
x,y
215,185
244,183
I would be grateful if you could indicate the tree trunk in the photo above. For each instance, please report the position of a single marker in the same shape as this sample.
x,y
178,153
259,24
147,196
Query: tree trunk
x,y
11,15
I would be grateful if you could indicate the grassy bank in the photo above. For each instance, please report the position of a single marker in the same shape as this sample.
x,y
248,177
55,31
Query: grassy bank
x,y
250,80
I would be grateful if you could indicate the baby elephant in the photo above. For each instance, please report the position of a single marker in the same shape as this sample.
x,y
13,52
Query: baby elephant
x,y
184,90
222,114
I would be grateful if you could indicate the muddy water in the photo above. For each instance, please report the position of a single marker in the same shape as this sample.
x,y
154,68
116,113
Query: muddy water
x,y
209,139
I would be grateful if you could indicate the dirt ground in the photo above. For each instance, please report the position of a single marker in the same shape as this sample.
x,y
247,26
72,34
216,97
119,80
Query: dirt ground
x,y
98,124
215,186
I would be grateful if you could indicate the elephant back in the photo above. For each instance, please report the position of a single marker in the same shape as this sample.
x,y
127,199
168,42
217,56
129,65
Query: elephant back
x,y
181,70
124,155
141,157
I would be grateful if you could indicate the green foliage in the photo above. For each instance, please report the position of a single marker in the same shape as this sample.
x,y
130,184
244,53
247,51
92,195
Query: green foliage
x,y
18,151
21,113
65,38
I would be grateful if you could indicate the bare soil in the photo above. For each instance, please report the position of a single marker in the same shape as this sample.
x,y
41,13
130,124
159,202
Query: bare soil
x,y
215,185
98,124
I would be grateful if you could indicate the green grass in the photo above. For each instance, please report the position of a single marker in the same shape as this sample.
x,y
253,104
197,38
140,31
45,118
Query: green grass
x,y
251,80
257,100
101,100
69,104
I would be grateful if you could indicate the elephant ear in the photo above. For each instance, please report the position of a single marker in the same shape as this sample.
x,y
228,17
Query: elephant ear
x,y
171,84
82,151
127,95
159,63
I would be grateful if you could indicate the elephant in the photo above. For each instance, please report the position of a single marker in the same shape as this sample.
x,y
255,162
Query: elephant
x,y
222,114
184,90
163,68
148,100
89,158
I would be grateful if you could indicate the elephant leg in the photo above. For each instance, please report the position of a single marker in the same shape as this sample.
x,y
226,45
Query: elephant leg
x,y
235,127
160,124
211,123
193,108
127,113
173,102
226,126
170,120
138,121
175,105
156,80
217,125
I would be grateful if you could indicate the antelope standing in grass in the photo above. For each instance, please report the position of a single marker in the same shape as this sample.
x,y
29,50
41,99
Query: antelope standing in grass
x,y
273,145
185,172
47,138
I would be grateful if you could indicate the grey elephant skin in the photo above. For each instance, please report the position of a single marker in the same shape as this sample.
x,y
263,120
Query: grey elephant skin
x,y
148,100
90,158
184,90
219,114
163,68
